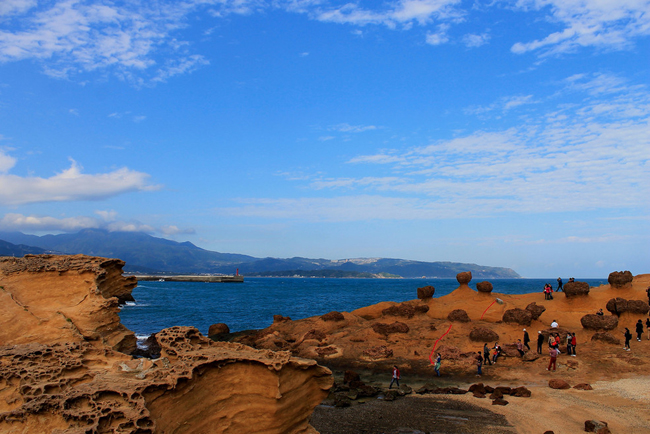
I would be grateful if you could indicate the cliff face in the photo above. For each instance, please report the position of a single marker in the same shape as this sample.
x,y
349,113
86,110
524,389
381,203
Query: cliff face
x,y
61,370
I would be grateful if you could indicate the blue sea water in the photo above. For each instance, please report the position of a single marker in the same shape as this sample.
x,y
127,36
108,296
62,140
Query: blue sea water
x,y
252,304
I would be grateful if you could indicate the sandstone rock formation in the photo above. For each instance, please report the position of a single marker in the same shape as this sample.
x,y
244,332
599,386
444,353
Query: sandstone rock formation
x,y
483,334
536,310
458,315
406,309
218,329
484,287
619,305
426,292
575,289
599,322
597,426
62,373
387,329
556,383
333,316
607,338
464,278
620,279
518,316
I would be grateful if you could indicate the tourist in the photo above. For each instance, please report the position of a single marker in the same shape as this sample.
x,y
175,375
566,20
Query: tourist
x,y
546,293
648,292
569,345
573,343
557,343
554,324
559,284
639,330
479,364
572,279
553,352
497,352
520,348
540,341
600,312
395,378
647,324
526,339
436,367
486,352
628,336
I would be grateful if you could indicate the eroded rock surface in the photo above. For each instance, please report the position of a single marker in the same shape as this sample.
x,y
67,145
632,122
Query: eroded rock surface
x,y
620,279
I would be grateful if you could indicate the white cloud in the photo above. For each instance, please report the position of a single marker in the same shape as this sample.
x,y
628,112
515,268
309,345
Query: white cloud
x,y
347,128
6,162
438,38
472,40
9,7
502,105
175,230
608,24
69,185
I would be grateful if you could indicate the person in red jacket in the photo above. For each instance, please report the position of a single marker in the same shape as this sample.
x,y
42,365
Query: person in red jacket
x,y
573,343
395,377
553,353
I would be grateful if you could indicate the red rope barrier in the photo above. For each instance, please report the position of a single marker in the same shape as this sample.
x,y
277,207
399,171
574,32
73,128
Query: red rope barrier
x,y
488,308
436,344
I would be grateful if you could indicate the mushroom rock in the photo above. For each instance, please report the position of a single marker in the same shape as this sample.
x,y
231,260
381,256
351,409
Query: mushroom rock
x,y
536,310
608,338
464,278
620,279
483,334
484,287
638,307
333,316
617,305
218,329
599,322
575,289
56,299
518,316
556,383
387,329
406,309
458,315
67,375
426,292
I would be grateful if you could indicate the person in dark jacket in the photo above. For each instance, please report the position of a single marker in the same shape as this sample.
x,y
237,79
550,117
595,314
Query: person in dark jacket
x,y
647,325
540,342
639,330
526,339
486,354
628,336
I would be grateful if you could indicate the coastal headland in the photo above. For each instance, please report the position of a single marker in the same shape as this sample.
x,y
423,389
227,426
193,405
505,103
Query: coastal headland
x,y
67,364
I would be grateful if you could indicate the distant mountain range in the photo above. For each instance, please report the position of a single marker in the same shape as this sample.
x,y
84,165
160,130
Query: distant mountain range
x,y
151,255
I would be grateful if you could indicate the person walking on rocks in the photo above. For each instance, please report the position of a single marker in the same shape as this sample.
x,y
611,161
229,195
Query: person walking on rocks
x,y
553,352
574,341
479,364
486,352
648,292
395,378
436,367
526,339
569,345
540,341
647,325
559,284
628,336
497,352
639,330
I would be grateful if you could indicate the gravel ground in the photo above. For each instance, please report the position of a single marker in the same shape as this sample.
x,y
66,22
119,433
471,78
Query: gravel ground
x,y
411,414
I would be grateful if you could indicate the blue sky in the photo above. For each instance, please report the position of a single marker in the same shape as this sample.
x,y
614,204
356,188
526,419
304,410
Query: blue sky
x,y
508,133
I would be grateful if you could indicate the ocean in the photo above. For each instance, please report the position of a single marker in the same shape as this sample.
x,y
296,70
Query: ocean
x,y
252,304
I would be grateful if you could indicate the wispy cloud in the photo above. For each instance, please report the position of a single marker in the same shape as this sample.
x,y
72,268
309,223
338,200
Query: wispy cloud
x,y
347,128
68,185
472,40
502,104
439,37
607,24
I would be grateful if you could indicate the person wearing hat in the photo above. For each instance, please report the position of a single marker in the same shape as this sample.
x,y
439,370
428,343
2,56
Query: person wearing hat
x,y
540,342
526,339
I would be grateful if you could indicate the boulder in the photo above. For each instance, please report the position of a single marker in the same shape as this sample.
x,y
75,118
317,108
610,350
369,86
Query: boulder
x,y
387,329
597,426
536,310
218,329
617,305
426,292
406,309
496,394
599,322
464,278
518,316
583,386
576,289
350,377
556,383
484,287
380,352
639,307
521,392
483,334
458,315
605,337
477,388
280,318
500,401
333,316
530,356
619,279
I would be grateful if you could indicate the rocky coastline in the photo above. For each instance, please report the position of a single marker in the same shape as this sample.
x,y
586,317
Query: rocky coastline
x,y
67,364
